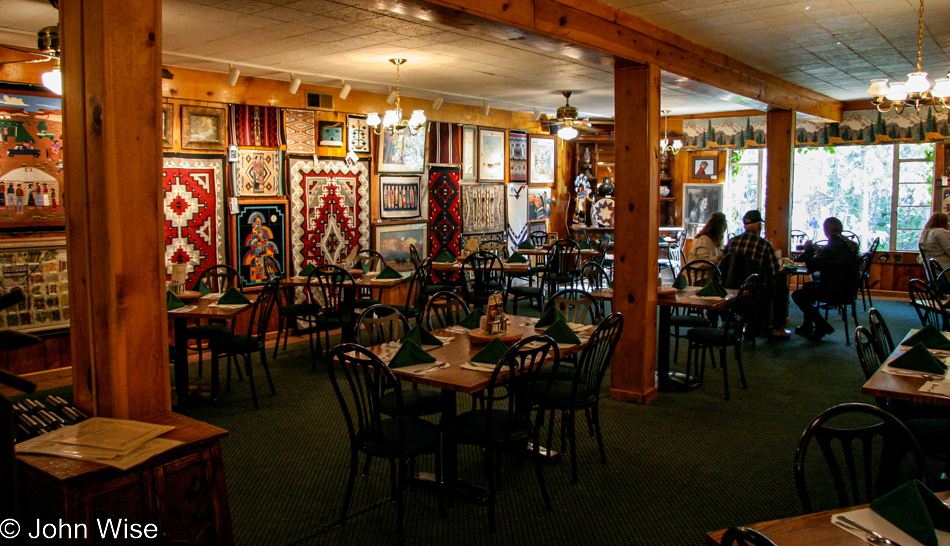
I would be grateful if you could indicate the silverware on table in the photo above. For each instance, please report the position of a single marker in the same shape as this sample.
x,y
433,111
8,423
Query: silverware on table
x,y
872,537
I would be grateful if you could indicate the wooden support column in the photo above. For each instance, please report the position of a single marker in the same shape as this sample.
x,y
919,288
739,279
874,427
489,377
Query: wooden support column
x,y
780,128
113,198
637,110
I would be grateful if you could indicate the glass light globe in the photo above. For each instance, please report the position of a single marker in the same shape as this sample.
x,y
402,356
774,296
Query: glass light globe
x,y
567,132
896,92
53,80
418,119
677,144
373,119
917,82
391,118
878,88
941,88
663,143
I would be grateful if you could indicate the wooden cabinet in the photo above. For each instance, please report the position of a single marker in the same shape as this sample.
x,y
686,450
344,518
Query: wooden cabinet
x,y
181,491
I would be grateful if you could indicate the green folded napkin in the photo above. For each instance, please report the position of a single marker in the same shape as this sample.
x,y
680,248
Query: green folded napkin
x,y
919,359
713,289
526,245
584,245
202,288
362,266
421,336
388,273
680,282
492,352
233,297
473,320
410,354
172,301
914,509
444,257
930,337
305,272
560,332
549,317
516,258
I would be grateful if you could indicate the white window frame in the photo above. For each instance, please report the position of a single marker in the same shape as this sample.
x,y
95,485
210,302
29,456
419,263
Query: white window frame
x,y
895,195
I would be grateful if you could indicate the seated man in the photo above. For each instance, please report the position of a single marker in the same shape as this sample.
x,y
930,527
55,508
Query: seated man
x,y
774,287
837,262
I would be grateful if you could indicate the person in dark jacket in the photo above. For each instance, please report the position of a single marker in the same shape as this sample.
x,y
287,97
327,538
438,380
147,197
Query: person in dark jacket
x,y
837,262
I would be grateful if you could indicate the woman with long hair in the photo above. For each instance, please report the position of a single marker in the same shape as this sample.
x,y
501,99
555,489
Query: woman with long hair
x,y
934,239
707,245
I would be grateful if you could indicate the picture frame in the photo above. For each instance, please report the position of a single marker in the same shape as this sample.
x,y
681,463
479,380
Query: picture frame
x,y
331,134
168,125
393,240
402,152
542,159
253,239
517,156
539,204
204,128
483,208
492,155
400,197
704,167
944,198
358,136
40,268
700,201
469,153
258,173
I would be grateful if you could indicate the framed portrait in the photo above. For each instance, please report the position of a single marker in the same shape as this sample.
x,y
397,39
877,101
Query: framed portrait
x,y
945,199
168,125
517,156
393,243
331,133
491,155
357,135
539,204
399,197
402,152
203,128
705,166
260,230
469,153
699,202
541,159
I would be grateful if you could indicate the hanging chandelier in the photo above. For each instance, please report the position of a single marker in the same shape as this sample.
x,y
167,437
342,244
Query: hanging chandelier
x,y
567,115
916,91
666,146
392,121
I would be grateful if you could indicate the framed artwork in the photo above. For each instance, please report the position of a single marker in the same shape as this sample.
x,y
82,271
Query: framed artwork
x,y
539,204
260,230
40,268
402,152
491,155
541,159
257,173
705,166
331,133
203,128
301,131
483,208
357,135
469,153
399,197
393,243
699,202
517,156
945,199
168,125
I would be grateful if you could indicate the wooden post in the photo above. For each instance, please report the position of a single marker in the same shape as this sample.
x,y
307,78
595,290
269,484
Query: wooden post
x,y
780,128
637,110
113,198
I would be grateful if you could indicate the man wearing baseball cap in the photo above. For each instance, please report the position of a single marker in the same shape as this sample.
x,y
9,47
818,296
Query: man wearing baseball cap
x,y
775,289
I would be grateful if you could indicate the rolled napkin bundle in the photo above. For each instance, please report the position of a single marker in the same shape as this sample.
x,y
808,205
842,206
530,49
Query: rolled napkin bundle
x,y
560,332
915,510
202,288
549,317
410,354
444,257
680,282
931,337
472,320
526,245
388,273
919,359
713,289
492,353
516,258
421,336
305,272
172,301
233,297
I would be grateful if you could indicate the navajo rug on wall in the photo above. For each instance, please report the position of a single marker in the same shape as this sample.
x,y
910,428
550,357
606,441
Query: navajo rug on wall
x,y
257,173
517,156
301,132
483,208
256,125
517,215
445,143
329,203
445,221
194,212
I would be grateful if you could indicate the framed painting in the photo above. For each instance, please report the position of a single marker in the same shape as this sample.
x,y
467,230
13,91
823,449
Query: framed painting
x,y
39,267
705,166
258,173
168,125
393,243
358,135
541,159
483,208
699,202
204,128
331,133
945,199
402,152
260,230
491,155
517,156
539,204
399,197
469,153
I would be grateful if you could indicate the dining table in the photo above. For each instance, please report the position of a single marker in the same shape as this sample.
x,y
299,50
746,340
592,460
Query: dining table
x,y
896,384
390,291
496,266
585,252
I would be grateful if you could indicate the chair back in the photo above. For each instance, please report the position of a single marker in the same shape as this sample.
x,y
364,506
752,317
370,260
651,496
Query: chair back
x,y
445,309
482,274
798,238
414,256
335,286
415,296
595,276
562,260
930,310
872,248
260,313
219,278
868,353
603,247
736,315
864,462
373,260
745,536
881,333
736,268
575,304
379,324
681,238
538,238
852,236
933,272
701,272
594,360
495,245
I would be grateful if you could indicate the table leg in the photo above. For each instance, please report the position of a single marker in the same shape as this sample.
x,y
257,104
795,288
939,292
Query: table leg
x,y
669,381
181,361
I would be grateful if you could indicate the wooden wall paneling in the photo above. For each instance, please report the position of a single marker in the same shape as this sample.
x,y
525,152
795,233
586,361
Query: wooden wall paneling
x,y
778,197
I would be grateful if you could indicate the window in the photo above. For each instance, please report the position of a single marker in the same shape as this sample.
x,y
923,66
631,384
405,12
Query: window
x,y
745,186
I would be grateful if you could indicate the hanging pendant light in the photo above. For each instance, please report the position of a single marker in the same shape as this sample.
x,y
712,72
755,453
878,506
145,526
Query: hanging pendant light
x,y
666,146
392,121
567,115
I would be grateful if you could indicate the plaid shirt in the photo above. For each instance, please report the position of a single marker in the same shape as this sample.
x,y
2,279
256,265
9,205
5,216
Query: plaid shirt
x,y
758,250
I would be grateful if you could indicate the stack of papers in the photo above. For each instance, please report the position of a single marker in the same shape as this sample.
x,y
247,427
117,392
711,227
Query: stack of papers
x,y
114,442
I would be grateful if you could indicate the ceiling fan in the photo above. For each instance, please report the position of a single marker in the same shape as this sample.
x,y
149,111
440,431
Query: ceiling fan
x,y
47,44
569,122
